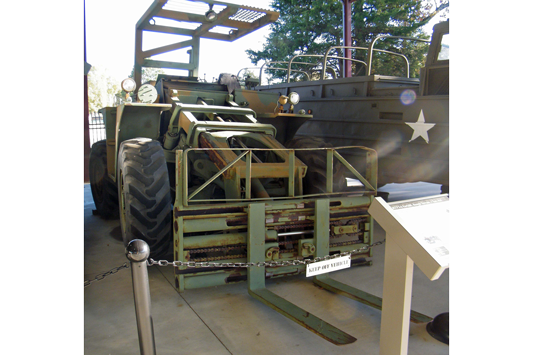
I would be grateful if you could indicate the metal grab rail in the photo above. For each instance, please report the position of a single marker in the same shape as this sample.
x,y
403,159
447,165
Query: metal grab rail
x,y
370,181
371,49
368,63
345,58
300,55
261,69
286,69
360,61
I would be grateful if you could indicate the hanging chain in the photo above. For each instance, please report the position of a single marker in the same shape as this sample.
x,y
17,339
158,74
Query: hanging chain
x,y
195,264
103,275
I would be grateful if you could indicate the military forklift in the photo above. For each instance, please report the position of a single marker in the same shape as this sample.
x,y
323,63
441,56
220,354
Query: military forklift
x,y
211,173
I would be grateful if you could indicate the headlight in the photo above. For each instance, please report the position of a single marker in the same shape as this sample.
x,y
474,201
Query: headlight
x,y
294,98
211,15
128,85
283,99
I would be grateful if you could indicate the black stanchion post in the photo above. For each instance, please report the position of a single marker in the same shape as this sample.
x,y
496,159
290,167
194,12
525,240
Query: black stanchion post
x,y
137,253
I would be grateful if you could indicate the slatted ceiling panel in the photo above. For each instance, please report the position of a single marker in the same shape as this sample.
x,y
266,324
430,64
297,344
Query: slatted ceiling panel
x,y
245,15
250,17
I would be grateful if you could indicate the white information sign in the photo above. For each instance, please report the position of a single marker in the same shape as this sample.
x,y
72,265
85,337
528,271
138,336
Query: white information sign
x,y
420,227
417,232
326,266
427,220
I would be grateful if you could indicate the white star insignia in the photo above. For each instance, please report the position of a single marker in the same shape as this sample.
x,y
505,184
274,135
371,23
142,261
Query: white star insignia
x,y
420,128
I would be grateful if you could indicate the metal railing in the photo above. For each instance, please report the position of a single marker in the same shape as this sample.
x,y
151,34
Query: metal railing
x,y
302,55
96,127
371,49
267,63
325,57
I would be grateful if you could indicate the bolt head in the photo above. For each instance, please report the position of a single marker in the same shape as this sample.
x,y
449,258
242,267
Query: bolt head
x,y
137,250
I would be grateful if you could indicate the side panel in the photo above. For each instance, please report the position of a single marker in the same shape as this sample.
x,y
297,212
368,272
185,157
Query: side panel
x,y
260,103
409,132
382,124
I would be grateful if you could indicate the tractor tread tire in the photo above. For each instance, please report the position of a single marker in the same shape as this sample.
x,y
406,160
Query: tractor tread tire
x,y
144,188
103,189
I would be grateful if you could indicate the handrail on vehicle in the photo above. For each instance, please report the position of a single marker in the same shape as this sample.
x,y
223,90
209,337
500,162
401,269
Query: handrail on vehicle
x,y
368,63
296,56
277,68
286,69
360,61
371,49
324,63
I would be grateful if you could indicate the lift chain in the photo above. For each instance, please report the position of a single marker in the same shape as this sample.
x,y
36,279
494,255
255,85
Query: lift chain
x,y
103,275
274,263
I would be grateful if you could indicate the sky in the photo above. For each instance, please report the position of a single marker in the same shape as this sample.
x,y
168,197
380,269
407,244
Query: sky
x,y
110,35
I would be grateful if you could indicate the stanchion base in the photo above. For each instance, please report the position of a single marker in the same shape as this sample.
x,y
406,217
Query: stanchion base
x,y
439,328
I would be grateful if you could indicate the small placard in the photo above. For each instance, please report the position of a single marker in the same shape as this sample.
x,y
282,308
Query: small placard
x,y
326,266
420,227
427,220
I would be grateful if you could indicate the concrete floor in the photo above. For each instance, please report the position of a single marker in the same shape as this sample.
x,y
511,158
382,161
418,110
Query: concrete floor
x,y
226,320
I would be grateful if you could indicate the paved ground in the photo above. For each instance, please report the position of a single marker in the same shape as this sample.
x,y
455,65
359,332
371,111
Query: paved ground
x,y
226,320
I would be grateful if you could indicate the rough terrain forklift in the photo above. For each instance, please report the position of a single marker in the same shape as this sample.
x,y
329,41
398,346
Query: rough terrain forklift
x,y
210,172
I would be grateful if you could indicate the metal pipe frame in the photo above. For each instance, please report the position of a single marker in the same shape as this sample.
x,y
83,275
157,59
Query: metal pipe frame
x,y
345,58
326,56
369,181
371,49
278,62
296,56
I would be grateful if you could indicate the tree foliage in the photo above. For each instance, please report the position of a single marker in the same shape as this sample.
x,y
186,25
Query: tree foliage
x,y
148,74
102,88
311,27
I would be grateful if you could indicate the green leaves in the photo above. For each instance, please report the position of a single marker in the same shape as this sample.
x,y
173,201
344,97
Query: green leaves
x,y
312,27
102,88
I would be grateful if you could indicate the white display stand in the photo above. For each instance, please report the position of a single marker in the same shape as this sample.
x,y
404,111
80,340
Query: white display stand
x,y
417,232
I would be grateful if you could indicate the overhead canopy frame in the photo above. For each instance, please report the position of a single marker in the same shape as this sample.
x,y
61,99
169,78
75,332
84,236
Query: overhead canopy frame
x,y
189,18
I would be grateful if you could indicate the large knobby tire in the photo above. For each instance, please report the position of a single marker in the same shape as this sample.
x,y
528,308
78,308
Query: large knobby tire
x,y
103,189
316,160
144,195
